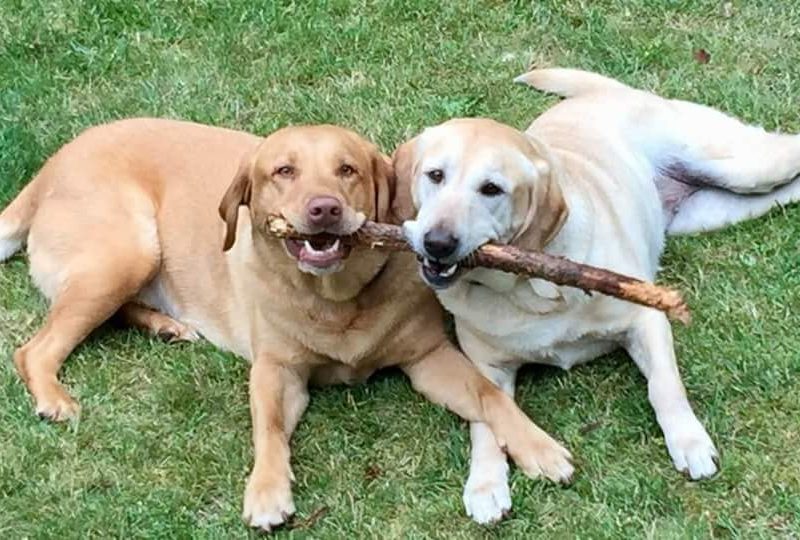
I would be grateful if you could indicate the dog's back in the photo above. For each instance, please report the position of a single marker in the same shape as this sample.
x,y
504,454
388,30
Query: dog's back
x,y
710,169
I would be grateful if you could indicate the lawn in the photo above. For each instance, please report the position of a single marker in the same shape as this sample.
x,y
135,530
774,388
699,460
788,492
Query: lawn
x,y
163,445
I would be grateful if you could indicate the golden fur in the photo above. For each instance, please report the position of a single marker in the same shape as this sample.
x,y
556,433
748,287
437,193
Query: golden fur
x,y
124,220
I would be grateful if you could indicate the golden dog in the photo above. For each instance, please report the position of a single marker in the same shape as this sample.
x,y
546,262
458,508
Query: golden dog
x,y
124,220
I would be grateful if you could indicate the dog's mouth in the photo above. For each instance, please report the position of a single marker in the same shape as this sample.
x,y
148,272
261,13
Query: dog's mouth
x,y
439,274
322,251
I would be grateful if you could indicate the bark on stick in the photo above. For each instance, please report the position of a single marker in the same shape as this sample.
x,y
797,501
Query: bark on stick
x,y
533,264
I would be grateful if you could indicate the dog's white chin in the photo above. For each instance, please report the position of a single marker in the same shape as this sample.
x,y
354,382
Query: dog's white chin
x,y
320,271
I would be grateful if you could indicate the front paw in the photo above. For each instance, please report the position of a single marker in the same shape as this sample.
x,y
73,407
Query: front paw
x,y
487,497
267,502
540,455
55,404
691,449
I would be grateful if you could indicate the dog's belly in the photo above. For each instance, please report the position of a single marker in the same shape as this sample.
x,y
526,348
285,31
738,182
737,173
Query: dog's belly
x,y
161,296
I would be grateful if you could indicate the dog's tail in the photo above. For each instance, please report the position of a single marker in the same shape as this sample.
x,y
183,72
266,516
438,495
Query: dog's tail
x,y
16,219
568,82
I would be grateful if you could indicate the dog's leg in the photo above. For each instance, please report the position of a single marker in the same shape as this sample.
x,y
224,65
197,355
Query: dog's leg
x,y
725,152
83,302
278,397
649,343
446,377
156,323
487,497
714,170
88,260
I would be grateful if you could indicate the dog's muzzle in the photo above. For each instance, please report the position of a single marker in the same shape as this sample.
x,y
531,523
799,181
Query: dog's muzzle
x,y
439,258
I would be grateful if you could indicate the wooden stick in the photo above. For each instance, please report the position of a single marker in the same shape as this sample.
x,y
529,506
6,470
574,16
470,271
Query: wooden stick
x,y
532,264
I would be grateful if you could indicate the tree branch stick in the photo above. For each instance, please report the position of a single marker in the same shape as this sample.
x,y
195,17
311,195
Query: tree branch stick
x,y
532,264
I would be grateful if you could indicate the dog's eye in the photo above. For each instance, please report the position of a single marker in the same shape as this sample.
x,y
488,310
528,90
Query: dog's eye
x,y
436,175
346,170
285,170
490,189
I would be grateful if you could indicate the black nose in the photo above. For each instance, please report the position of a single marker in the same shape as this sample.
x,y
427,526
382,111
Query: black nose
x,y
440,243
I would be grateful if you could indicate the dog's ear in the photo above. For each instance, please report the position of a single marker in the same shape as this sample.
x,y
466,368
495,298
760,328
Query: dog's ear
x,y
539,206
404,161
384,185
238,194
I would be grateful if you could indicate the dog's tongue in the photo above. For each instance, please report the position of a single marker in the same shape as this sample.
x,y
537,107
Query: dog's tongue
x,y
321,252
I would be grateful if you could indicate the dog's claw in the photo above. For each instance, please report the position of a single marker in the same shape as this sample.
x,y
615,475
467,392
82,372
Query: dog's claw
x,y
167,336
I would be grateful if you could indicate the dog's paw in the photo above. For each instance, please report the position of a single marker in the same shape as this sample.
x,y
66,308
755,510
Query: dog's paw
x,y
174,331
267,504
56,405
691,449
543,456
487,497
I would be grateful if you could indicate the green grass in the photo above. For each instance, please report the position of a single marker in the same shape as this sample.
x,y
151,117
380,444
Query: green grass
x,y
163,447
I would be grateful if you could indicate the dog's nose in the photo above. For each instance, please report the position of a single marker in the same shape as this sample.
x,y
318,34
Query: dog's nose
x,y
440,243
324,211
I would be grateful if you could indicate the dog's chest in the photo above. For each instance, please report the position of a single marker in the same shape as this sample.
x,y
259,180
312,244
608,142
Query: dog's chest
x,y
504,303
351,334
344,332
539,323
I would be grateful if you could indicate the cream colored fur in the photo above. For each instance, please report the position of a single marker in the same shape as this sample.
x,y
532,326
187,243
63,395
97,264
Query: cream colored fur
x,y
606,174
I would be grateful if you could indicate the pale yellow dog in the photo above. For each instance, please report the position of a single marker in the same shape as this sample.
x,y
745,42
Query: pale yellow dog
x,y
599,178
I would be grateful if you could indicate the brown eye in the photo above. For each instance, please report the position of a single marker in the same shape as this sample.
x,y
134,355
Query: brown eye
x,y
285,170
436,175
490,189
346,170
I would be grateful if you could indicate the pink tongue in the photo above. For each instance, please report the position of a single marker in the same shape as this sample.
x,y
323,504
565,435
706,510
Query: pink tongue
x,y
319,257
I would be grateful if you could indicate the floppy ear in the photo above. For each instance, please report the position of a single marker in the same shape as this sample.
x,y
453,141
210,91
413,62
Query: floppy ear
x,y
238,194
404,161
384,181
539,206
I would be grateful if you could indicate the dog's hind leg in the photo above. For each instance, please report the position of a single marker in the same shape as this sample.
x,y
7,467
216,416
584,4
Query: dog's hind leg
x,y
650,345
16,218
727,171
728,153
88,266
85,300
711,209
156,323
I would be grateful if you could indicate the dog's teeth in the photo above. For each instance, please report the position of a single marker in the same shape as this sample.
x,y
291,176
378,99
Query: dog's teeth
x,y
330,249
426,263
450,271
